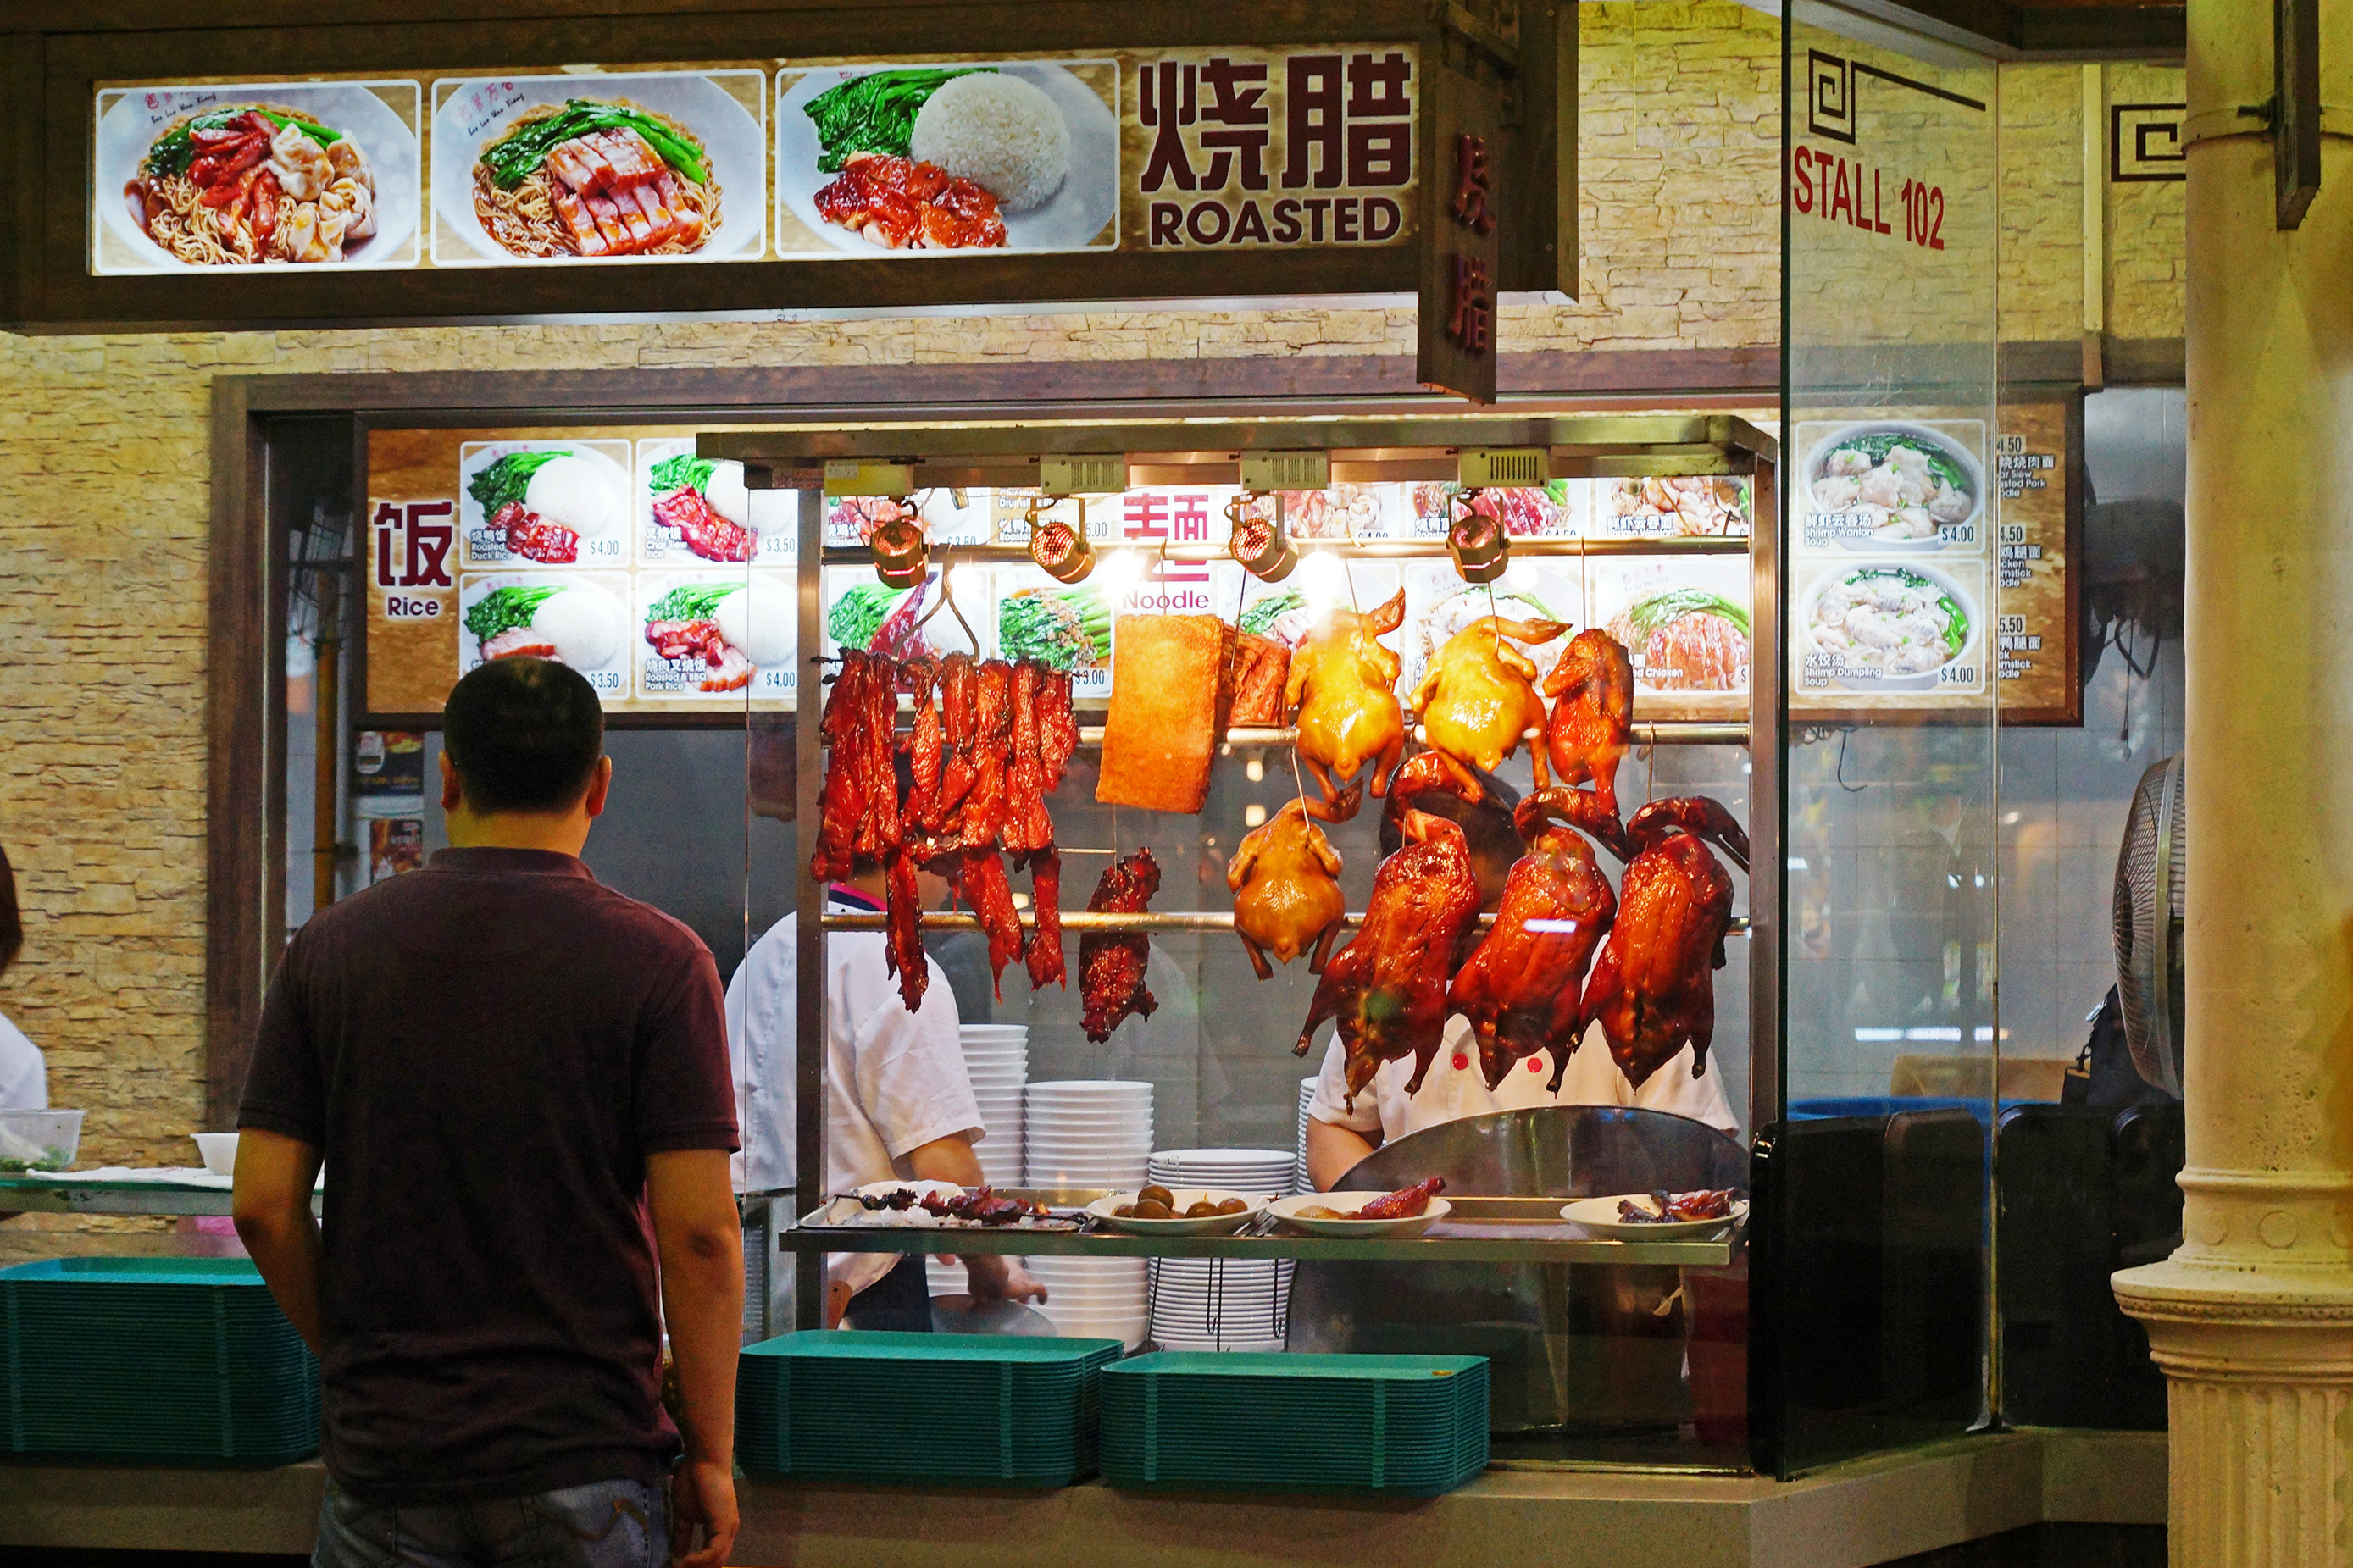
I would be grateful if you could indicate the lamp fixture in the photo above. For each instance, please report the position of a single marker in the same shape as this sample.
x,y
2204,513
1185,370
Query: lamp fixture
x,y
902,552
1482,550
1061,552
1258,542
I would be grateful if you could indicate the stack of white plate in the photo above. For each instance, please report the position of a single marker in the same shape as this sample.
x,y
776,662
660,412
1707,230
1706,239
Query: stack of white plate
x,y
997,1059
1088,1132
1199,1304
1306,1098
1095,1298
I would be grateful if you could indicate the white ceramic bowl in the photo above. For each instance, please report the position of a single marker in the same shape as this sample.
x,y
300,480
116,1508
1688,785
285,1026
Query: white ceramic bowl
x,y
1208,1224
129,128
38,1139
1287,1210
1599,1215
1922,680
730,132
220,1150
1920,435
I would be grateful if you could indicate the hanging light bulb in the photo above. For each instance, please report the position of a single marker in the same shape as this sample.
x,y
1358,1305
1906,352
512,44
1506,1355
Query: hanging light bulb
x,y
902,553
1061,552
1482,550
1258,542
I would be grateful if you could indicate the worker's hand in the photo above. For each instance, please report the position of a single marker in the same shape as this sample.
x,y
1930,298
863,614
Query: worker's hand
x,y
701,1500
998,1279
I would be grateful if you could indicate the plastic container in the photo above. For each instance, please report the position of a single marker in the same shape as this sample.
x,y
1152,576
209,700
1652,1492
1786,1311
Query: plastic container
x,y
220,1150
39,1141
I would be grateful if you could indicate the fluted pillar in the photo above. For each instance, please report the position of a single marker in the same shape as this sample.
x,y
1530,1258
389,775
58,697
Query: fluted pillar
x,y
2252,1319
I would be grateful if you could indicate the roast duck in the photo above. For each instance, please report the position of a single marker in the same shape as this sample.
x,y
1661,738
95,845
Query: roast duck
x,y
1342,683
1478,698
1283,876
1652,990
1592,713
1523,989
1387,988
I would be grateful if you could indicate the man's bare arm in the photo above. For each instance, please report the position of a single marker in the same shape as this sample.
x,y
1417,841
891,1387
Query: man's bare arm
x,y
702,1246
272,1208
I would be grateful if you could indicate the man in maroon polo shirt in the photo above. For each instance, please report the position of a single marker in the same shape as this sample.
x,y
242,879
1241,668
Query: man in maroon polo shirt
x,y
517,1081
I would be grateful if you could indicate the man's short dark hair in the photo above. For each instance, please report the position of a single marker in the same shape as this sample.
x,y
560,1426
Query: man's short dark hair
x,y
524,733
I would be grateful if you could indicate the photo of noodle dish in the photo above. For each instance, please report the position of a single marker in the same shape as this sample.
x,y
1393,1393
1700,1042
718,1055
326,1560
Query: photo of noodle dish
x,y
1910,487
953,159
1886,627
595,168
290,175
555,503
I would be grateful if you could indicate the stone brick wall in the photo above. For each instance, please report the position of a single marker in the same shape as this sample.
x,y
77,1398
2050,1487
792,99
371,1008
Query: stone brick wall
x,y
103,491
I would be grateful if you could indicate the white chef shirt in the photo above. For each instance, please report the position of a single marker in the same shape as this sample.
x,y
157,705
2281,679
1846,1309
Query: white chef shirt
x,y
1451,1092
895,1080
24,1075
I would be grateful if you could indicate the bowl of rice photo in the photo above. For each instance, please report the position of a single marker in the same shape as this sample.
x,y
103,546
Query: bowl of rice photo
x,y
596,169
319,174
992,157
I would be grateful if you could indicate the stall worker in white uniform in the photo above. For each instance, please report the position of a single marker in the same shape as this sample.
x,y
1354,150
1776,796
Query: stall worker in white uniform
x,y
1338,1136
899,1104
23,1076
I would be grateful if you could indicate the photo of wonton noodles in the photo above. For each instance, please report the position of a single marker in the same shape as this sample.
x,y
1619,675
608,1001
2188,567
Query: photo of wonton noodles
x,y
252,185
595,178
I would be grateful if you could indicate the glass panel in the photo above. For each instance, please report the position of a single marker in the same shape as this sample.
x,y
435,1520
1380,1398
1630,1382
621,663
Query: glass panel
x,y
1877,1182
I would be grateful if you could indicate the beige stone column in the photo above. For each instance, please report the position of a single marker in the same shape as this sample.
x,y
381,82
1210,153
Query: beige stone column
x,y
2252,1317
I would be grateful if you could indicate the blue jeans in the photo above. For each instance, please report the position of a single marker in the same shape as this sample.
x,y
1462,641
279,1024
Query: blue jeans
x,y
604,1524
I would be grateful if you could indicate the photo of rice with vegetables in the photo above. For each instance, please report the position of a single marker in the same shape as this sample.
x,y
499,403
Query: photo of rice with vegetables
x,y
540,504
1899,486
1685,638
729,630
575,624
881,619
1881,623
705,501
595,178
934,159
254,184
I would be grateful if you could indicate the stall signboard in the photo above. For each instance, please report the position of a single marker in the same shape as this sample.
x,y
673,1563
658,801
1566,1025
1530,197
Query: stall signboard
x,y
1929,566
1213,150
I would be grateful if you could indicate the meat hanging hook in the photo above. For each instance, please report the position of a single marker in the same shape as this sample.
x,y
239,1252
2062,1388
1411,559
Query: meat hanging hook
x,y
947,601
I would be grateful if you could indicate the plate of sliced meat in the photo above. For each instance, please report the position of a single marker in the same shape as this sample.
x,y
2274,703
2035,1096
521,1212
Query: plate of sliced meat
x,y
664,165
1658,1217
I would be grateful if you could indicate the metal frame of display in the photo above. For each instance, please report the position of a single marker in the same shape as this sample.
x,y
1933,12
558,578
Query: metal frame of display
x,y
1172,451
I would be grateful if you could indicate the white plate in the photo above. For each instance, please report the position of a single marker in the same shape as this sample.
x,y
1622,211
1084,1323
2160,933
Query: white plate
x,y
1287,1210
1066,220
977,1033
1221,1159
129,128
1208,1224
1599,1215
730,134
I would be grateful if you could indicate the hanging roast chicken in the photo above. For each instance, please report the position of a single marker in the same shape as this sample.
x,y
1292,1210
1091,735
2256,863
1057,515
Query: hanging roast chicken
x,y
1387,988
1342,682
1523,989
1653,989
1592,714
1286,896
1478,698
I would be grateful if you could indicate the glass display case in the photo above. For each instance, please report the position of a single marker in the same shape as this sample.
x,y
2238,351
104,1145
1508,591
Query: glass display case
x,y
1607,1343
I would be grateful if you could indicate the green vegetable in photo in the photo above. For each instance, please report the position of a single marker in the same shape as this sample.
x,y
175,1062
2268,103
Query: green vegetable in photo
x,y
495,484
514,156
690,602
872,113
503,609
685,471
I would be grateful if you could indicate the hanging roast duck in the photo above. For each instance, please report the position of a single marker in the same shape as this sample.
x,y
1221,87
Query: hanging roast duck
x,y
1653,989
1592,716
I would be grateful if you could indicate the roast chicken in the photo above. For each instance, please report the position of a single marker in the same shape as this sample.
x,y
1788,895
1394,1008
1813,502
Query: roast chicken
x,y
1386,989
1342,682
1592,716
1523,989
1478,698
1653,989
1287,899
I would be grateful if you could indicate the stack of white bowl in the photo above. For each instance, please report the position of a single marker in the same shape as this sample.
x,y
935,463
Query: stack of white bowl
x,y
1306,1098
997,1059
1090,1132
1201,1304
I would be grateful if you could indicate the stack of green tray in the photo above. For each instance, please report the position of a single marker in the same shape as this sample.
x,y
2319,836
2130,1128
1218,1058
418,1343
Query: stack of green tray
x,y
1409,1426
983,1409
177,1360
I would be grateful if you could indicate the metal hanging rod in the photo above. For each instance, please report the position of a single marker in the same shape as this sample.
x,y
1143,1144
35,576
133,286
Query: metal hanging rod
x,y
1651,732
1357,549
1086,921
